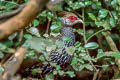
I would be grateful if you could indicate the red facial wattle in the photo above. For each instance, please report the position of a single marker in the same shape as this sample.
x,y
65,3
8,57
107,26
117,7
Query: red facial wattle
x,y
72,18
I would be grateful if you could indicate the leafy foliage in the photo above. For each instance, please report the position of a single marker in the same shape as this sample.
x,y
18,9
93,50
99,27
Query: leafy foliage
x,y
96,14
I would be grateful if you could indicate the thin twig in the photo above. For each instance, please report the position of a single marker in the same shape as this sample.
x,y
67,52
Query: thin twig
x,y
48,26
21,35
85,41
84,31
95,34
10,14
95,75
11,2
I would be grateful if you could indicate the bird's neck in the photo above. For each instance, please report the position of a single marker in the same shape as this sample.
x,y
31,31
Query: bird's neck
x,y
68,31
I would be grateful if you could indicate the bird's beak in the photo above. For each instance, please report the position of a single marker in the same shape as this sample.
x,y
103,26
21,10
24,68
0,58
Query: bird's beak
x,y
79,21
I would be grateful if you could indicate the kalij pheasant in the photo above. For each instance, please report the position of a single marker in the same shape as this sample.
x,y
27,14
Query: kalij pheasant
x,y
63,59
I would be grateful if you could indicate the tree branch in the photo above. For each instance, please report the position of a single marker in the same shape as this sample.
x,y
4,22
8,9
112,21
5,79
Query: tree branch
x,y
22,19
13,13
110,41
12,65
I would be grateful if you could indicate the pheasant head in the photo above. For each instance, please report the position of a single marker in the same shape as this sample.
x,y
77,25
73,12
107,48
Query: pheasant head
x,y
70,20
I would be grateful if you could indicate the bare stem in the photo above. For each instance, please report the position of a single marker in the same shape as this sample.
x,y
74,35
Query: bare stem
x,y
85,41
95,34
48,26
84,26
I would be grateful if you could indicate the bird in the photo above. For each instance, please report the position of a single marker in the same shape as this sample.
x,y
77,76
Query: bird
x,y
64,58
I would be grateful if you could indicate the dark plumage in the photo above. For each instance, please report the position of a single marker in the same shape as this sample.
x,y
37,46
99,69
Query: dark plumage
x,y
63,59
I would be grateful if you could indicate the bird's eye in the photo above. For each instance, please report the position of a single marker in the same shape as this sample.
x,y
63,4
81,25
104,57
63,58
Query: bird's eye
x,y
71,18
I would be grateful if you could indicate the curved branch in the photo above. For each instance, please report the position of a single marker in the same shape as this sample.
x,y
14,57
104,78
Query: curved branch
x,y
23,19
13,13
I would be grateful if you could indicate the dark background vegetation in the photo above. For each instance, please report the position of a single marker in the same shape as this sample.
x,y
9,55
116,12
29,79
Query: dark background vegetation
x,y
96,51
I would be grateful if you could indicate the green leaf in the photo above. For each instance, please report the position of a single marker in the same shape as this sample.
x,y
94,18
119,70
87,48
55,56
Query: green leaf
x,y
49,77
67,9
88,66
81,67
81,61
76,68
55,28
100,53
42,58
30,53
91,45
27,36
34,31
39,44
74,61
36,46
96,5
1,70
46,35
11,37
66,38
77,44
34,79
50,48
59,44
44,13
87,3
8,43
118,76
71,74
10,50
50,15
58,67
1,55
114,2
78,5
79,31
118,2
26,0
89,33
87,57
105,67
2,46
24,79
54,34
102,13
58,7
55,72
61,72
70,50
99,23
34,71
114,14
35,22
108,59
112,22
116,55
91,15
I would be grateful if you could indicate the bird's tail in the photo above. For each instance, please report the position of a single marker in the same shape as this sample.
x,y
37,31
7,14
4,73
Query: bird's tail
x,y
45,68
